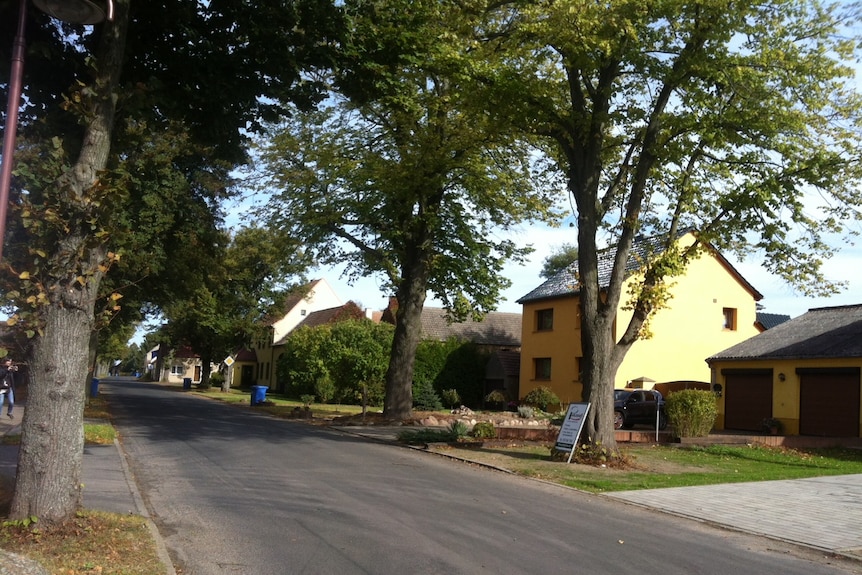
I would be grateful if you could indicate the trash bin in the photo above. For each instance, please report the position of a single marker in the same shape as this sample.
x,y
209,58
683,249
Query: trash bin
x,y
94,387
187,383
258,394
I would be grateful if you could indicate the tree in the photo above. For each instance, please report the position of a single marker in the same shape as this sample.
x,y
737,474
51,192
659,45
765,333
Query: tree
x,y
738,120
402,173
86,92
562,258
232,288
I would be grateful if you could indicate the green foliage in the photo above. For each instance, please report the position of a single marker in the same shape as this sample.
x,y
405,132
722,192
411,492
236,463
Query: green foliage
x,y
541,397
450,397
217,379
459,429
525,411
306,400
25,523
484,430
345,360
453,365
425,435
425,398
557,261
496,397
324,388
691,412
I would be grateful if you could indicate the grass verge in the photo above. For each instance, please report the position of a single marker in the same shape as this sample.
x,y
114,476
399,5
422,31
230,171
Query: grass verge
x,y
657,466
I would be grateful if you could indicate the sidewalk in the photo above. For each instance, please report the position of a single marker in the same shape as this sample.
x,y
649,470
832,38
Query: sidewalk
x,y
822,513
108,482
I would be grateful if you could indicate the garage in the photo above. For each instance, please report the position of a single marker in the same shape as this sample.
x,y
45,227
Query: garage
x,y
829,402
747,398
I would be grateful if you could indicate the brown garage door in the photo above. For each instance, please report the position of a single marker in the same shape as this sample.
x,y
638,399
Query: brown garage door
x,y
829,403
747,399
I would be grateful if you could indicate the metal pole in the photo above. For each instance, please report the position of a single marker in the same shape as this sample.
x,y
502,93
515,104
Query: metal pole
x,y
11,130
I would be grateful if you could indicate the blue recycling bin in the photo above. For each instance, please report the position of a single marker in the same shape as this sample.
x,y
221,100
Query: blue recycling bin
x,y
187,383
258,394
94,387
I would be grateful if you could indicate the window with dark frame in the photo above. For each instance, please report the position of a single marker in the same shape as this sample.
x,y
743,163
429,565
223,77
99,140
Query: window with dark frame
x,y
729,318
542,367
545,319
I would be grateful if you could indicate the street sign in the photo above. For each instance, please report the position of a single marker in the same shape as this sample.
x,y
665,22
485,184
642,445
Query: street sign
x,y
229,361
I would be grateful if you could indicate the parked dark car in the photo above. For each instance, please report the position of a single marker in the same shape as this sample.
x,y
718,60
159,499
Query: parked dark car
x,y
632,406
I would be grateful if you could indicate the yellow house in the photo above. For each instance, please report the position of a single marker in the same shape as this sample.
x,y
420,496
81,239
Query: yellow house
x,y
315,296
805,373
712,307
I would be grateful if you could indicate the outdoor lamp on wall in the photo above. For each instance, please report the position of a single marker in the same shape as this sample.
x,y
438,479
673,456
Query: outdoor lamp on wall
x,y
716,389
72,11
781,377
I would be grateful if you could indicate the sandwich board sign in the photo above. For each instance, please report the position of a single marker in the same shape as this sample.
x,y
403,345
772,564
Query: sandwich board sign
x,y
571,428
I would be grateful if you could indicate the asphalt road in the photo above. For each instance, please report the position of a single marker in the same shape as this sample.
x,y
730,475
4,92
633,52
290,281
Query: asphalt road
x,y
233,491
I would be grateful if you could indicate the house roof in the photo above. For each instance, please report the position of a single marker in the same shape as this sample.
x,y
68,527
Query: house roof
x,y
496,328
828,332
245,354
292,301
565,283
324,316
771,320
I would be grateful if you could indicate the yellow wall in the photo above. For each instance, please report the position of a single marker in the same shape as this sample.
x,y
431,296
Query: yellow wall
x,y
685,333
562,345
785,394
690,329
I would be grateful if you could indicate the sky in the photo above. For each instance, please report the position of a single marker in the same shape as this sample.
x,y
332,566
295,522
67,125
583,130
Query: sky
x,y
778,297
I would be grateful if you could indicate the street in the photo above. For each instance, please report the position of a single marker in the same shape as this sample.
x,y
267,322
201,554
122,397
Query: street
x,y
235,491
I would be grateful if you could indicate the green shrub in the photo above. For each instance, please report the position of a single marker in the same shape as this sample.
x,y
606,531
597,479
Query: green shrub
x,y
691,412
525,411
425,398
306,399
324,388
484,430
451,397
458,429
541,397
496,397
216,379
425,435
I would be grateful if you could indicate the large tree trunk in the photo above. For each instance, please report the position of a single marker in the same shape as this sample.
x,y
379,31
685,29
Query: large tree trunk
x,y
49,460
398,401
48,484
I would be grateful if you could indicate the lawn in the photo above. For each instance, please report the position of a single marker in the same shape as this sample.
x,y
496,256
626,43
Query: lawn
x,y
656,466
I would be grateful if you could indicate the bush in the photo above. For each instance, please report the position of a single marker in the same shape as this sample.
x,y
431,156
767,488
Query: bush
x,y
525,411
216,379
458,429
425,398
306,399
691,412
541,397
451,397
496,397
324,388
484,430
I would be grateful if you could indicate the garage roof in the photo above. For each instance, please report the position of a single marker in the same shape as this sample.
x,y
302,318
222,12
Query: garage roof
x,y
828,332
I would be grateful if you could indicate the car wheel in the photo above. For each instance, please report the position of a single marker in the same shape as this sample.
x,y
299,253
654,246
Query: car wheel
x,y
619,420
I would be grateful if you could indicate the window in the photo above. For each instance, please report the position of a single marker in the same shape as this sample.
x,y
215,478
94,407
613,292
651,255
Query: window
x,y
542,367
177,370
545,320
729,318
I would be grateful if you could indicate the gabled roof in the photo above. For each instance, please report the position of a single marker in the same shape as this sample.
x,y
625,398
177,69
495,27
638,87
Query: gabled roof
x,y
497,328
324,316
292,301
565,282
770,320
828,332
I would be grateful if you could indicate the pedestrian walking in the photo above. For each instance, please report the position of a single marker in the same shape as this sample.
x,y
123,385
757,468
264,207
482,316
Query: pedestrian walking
x,y
7,385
